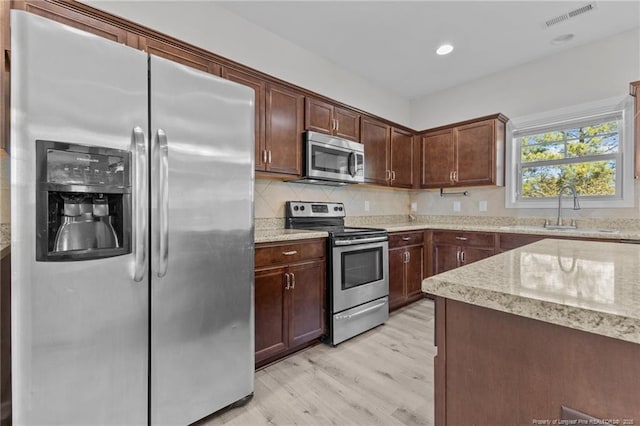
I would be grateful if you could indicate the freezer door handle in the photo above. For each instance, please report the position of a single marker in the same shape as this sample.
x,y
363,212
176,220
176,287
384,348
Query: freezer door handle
x,y
140,202
163,202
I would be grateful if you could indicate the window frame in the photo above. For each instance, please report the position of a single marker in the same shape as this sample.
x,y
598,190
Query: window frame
x,y
620,107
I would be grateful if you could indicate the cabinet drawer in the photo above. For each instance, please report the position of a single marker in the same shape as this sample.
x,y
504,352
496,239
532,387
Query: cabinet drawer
x,y
468,239
399,239
270,254
512,241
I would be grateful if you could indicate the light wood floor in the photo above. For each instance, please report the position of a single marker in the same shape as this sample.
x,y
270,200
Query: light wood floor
x,y
382,377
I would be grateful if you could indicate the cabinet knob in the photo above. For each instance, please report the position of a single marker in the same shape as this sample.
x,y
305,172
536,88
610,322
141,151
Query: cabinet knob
x,y
293,280
462,238
290,253
406,238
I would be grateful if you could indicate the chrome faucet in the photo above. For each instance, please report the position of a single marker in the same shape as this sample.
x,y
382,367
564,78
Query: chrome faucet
x,y
576,206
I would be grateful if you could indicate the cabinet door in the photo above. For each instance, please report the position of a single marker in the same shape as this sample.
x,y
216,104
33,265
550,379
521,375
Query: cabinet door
x,y
475,153
396,277
415,271
437,159
375,138
401,158
175,54
473,254
284,126
318,116
445,257
347,124
307,302
74,19
271,313
259,86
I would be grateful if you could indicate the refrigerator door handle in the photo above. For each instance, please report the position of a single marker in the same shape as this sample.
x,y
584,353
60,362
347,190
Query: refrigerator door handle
x,y
140,202
163,201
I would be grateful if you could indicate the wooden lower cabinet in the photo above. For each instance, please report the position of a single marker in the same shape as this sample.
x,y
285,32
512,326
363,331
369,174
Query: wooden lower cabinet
x,y
406,268
289,298
454,249
496,368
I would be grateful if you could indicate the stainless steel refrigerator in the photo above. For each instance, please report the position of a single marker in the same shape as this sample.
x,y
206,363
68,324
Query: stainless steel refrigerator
x,y
132,233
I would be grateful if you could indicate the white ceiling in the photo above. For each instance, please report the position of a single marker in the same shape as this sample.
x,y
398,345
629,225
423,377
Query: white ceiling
x,y
392,44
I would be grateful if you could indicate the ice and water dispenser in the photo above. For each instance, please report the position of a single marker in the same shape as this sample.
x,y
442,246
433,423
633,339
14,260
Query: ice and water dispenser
x,y
83,202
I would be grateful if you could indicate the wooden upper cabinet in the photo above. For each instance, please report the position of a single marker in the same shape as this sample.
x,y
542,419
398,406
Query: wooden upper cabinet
x,y
325,117
476,156
401,157
175,54
259,87
347,123
284,116
467,154
375,137
388,154
438,159
75,19
319,116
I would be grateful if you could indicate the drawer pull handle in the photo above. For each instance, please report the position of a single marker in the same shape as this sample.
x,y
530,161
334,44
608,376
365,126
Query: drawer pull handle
x,y
290,253
462,238
406,238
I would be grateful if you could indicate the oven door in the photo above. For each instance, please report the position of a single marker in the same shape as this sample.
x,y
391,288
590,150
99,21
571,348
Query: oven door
x,y
360,274
337,160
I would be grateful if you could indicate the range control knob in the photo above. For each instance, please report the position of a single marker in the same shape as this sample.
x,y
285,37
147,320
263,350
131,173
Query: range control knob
x,y
335,209
340,208
301,208
295,208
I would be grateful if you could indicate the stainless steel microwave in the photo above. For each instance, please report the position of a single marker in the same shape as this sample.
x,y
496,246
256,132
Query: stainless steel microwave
x,y
331,160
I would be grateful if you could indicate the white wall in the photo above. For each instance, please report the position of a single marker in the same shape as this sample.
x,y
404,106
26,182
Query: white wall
x,y
583,74
604,70
211,27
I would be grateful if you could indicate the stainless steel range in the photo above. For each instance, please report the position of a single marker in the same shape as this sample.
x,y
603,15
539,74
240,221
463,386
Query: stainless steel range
x,y
357,268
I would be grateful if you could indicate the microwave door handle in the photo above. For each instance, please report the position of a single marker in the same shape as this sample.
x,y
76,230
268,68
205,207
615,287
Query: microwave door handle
x,y
140,202
352,164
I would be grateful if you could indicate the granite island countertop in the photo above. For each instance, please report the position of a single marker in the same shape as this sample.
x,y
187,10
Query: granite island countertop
x,y
584,285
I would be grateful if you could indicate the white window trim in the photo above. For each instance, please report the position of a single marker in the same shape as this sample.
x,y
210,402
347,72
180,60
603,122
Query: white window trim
x,y
557,117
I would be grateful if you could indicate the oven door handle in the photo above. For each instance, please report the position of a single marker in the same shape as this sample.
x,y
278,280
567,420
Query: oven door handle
x,y
364,311
359,241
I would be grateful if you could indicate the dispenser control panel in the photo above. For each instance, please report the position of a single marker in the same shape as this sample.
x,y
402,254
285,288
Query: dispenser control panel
x,y
69,167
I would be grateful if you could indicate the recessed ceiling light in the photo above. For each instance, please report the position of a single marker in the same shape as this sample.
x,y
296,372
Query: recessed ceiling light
x,y
562,39
445,49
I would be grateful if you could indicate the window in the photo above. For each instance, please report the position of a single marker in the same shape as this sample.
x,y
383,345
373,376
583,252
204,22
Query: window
x,y
590,149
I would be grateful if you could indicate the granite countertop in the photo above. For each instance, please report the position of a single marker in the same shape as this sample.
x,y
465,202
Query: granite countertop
x,y
274,235
5,239
599,232
270,230
589,286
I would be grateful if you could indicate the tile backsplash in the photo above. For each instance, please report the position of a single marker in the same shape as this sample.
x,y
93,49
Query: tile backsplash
x,y
270,196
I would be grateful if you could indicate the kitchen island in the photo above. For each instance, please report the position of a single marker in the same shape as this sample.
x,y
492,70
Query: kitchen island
x,y
549,325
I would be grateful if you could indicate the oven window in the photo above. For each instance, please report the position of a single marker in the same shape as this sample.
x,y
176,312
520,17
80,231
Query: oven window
x,y
361,267
329,160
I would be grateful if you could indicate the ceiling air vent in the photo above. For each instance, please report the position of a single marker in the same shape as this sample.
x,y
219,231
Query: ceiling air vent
x,y
572,14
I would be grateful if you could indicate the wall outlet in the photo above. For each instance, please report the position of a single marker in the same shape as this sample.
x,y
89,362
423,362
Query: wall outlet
x,y
414,207
366,206
456,206
482,206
